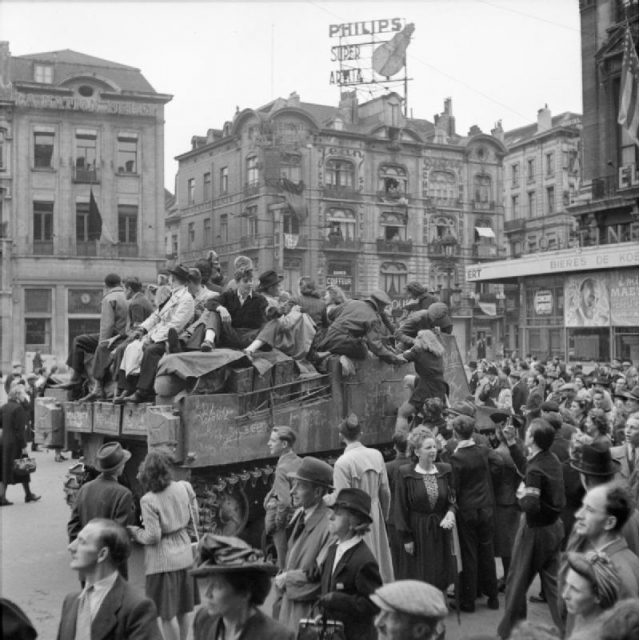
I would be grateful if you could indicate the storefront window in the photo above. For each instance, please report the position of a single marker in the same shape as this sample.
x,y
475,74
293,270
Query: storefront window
x,y
589,344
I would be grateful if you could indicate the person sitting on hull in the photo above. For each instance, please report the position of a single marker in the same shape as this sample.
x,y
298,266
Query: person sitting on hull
x,y
235,318
358,326
435,317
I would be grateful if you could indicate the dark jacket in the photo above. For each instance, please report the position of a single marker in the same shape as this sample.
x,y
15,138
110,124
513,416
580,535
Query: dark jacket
x,y
125,614
356,576
357,320
140,308
430,369
411,325
475,469
544,496
103,497
314,306
250,315
258,626
520,396
13,421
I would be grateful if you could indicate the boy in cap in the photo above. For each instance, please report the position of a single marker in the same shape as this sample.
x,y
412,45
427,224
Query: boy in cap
x,y
410,609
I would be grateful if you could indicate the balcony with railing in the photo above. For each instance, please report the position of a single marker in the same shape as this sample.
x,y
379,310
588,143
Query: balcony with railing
x,y
86,175
483,205
485,251
341,244
517,224
340,192
437,249
393,247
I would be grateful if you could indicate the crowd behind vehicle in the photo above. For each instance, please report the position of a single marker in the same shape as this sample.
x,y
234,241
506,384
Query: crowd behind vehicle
x,y
379,549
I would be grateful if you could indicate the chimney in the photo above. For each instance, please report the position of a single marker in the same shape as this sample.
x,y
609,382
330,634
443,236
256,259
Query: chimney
x,y
5,58
498,131
348,106
445,121
544,119
293,99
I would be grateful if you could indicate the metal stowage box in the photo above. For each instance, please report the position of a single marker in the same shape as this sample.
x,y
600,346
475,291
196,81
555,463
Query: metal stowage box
x,y
107,418
48,423
78,417
163,428
133,422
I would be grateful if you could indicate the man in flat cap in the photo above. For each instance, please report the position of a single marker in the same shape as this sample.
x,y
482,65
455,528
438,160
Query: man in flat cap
x,y
277,503
308,542
358,326
410,609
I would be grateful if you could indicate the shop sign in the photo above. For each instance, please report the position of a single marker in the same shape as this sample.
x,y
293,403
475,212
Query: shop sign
x,y
543,302
340,276
624,298
90,105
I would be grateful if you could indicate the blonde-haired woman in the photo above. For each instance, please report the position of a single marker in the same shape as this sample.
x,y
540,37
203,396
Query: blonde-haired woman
x,y
427,353
425,513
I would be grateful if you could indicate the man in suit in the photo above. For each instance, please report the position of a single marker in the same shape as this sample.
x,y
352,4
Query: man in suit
x,y
108,608
112,323
176,313
277,503
104,497
627,453
298,587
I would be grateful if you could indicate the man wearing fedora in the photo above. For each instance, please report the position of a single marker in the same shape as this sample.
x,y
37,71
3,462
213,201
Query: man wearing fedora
x,y
113,321
358,328
104,497
108,607
176,313
297,586
235,318
277,503
627,454
631,400
363,468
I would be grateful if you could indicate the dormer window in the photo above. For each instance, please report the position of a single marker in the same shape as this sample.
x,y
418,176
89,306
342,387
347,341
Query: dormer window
x,y
43,73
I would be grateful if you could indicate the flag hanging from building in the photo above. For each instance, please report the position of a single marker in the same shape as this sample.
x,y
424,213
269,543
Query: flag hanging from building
x,y
94,224
629,95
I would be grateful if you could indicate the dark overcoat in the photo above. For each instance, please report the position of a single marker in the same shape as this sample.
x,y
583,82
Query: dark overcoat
x,y
13,420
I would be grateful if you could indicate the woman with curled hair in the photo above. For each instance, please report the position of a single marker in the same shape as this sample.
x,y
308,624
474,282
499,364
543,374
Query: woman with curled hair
x,y
591,586
334,299
427,353
425,512
598,428
167,508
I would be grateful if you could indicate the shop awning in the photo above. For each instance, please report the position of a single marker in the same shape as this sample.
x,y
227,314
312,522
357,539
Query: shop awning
x,y
485,232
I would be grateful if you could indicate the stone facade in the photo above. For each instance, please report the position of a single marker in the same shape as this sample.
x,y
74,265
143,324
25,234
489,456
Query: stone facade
x,y
74,127
355,195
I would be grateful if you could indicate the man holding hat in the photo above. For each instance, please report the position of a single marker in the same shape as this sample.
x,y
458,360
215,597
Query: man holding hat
x,y
410,609
277,503
104,497
363,468
176,313
298,587
358,327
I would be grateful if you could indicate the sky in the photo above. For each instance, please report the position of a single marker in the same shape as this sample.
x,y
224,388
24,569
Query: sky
x,y
497,59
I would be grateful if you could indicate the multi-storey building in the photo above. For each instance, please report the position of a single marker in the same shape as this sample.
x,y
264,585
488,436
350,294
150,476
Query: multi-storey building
x,y
81,193
582,300
356,195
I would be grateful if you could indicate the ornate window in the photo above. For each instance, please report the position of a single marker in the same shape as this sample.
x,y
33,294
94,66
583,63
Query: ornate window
x,y
442,227
341,224
483,188
442,185
393,180
291,167
340,173
394,276
393,226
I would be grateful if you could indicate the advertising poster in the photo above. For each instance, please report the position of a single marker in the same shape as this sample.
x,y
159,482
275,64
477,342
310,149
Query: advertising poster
x,y
587,303
624,298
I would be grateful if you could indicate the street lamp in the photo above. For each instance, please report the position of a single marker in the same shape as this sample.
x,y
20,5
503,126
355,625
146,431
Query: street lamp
x,y
449,244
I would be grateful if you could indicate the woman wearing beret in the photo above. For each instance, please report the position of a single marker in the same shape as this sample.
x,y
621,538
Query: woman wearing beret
x,y
350,573
425,513
234,582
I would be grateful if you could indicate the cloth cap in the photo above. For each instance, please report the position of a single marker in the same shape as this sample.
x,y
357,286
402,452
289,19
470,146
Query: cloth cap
x,y
416,288
228,554
462,409
413,597
110,456
550,405
354,500
380,297
314,470
438,314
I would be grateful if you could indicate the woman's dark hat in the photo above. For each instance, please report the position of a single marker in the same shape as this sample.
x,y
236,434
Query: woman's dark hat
x,y
268,279
110,456
633,394
354,500
595,460
228,554
181,272
315,471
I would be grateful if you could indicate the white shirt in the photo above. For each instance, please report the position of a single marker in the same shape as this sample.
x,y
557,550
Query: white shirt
x,y
343,547
99,592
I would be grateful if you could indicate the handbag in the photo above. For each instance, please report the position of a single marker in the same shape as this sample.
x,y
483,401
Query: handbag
x,y
320,628
24,466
